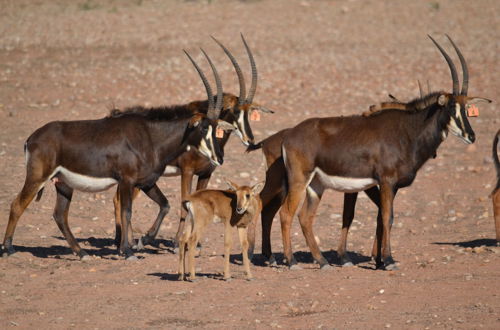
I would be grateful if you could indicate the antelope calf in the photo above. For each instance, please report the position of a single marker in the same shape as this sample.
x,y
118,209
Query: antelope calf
x,y
495,195
237,207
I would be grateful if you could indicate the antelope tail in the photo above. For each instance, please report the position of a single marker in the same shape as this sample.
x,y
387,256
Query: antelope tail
x,y
253,147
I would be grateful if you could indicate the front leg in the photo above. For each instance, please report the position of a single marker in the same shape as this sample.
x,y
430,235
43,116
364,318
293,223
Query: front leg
x,y
228,243
186,184
243,235
125,191
387,193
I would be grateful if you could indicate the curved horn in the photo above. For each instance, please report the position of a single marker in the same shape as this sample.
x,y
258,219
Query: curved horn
x,y
453,70
214,114
465,70
205,82
237,68
253,86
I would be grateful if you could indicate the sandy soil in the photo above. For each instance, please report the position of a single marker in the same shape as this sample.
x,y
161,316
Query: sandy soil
x,y
63,60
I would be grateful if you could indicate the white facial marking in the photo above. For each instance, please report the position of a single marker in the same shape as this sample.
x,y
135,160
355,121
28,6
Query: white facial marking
x,y
83,182
454,128
207,151
241,129
344,184
171,171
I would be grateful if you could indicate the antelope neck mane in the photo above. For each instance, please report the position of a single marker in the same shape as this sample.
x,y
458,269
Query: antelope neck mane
x,y
161,113
416,105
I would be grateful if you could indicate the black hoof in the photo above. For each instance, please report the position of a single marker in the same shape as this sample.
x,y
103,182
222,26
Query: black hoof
x,y
390,264
7,251
128,254
271,261
146,240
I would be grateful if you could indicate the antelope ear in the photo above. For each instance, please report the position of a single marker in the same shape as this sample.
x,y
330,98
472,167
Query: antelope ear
x,y
232,186
261,108
477,99
257,188
195,120
224,125
443,99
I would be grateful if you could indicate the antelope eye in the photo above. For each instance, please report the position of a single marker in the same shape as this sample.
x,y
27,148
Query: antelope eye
x,y
247,195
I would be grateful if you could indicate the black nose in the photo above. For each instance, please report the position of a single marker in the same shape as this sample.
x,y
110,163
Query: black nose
x,y
472,137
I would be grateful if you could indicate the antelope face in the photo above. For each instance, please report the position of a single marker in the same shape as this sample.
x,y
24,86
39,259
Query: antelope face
x,y
239,119
244,195
204,139
459,123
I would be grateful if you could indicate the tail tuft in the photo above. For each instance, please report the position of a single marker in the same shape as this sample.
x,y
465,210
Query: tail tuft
x,y
253,147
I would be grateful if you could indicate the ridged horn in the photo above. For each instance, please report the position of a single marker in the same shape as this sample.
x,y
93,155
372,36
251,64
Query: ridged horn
x,y
218,104
205,82
465,70
253,86
453,70
237,68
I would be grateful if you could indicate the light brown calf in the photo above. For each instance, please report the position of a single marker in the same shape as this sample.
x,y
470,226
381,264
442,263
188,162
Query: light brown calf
x,y
236,207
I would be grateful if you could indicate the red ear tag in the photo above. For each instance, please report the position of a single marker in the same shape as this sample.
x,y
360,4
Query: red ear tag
x,y
472,111
255,115
219,133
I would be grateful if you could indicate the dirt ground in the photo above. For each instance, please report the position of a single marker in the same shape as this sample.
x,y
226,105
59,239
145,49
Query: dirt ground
x,y
62,60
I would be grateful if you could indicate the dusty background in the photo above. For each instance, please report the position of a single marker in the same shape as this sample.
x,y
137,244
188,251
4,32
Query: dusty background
x,y
62,60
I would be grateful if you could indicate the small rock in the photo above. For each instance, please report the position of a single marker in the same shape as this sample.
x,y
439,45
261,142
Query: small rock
x,y
77,230
478,249
244,175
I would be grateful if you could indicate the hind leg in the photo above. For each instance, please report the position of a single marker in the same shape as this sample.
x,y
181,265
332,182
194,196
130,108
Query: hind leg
x,y
64,195
17,207
307,217
118,225
157,196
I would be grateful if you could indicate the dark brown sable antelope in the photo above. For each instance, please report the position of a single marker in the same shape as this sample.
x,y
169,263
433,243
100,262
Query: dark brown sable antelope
x,y
235,110
130,150
495,195
356,153
274,191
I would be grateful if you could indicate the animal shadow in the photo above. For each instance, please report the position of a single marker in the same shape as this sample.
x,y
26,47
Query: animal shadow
x,y
307,258
471,244
103,247
175,276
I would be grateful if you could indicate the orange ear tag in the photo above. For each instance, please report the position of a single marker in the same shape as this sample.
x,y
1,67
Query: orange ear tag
x,y
219,133
255,115
472,111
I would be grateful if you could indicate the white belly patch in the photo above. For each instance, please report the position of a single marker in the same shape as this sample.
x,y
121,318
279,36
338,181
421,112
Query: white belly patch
x,y
344,184
83,182
171,171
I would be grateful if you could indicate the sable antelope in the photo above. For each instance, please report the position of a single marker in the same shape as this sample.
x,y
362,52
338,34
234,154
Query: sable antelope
x,y
237,207
356,153
275,188
495,195
130,150
235,110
